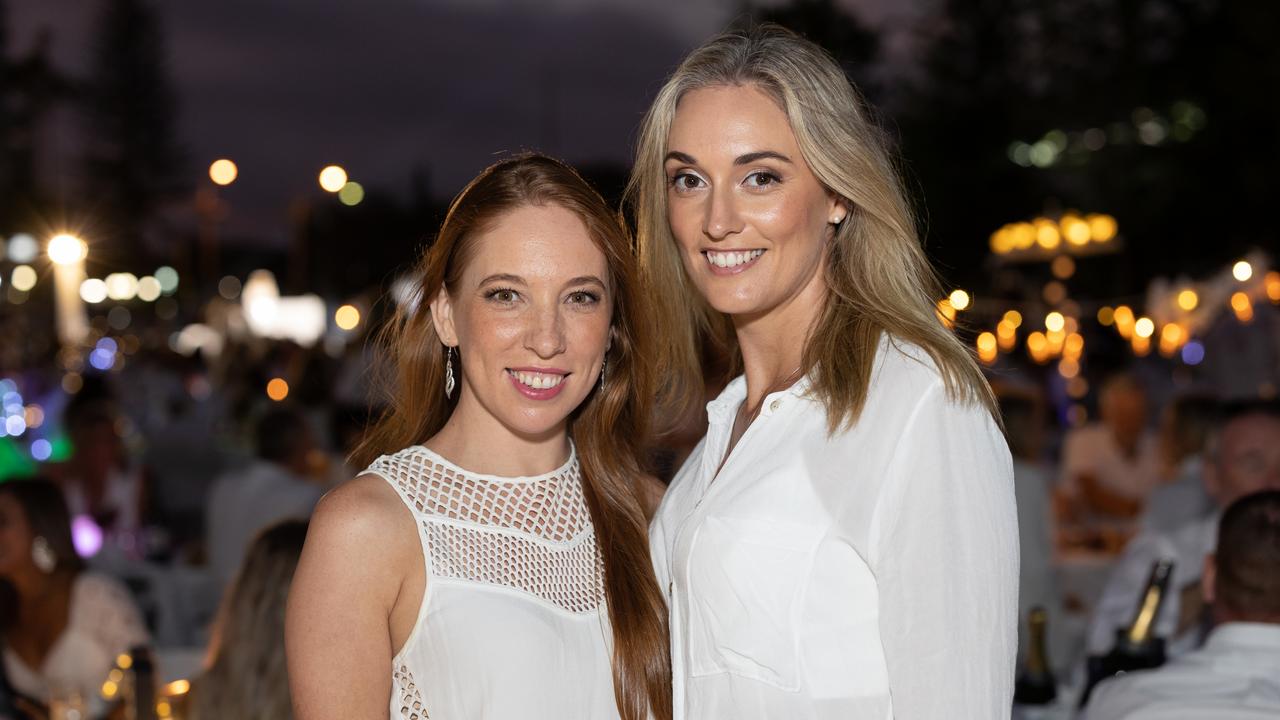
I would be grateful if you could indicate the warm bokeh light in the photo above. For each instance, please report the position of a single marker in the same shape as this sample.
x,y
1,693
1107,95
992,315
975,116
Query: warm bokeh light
x,y
1063,267
1047,235
347,317
223,172
1242,306
277,389
1038,346
1014,318
122,286
1242,271
1054,322
987,347
1171,333
1002,240
351,194
149,289
1106,315
1073,346
1143,327
1078,387
946,313
177,687
1068,368
1075,230
67,249
23,278
332,178
959,299
1006,336
1102,228
93,291
1024,235
1273,286
1054,292
1188,300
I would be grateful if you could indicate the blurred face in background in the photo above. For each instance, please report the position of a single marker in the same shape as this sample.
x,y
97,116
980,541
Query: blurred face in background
x,y
530,318
1248,459
1124,410
15,537
751,219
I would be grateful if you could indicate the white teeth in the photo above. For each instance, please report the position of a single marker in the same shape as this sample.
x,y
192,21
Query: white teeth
x,y
731,259
537,381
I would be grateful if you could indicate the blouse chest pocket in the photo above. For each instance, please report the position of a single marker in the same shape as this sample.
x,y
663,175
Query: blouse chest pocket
x,y
747,580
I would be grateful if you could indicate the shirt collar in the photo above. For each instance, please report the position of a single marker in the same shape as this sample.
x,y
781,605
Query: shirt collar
x,y
1245,634
722,410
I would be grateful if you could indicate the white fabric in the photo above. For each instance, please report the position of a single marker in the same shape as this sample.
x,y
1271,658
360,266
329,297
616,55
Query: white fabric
x,y
1187,547
1183,499
245,502
867,574
1093,449
513,623
102,623
1235,676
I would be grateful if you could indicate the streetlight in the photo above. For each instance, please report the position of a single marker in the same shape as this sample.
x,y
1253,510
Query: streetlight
x,y
223,172
68,252
333,178
67,249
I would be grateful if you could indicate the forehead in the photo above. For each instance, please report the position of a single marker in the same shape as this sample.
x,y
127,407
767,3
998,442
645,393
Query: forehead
x,y
1252,432
540,243
730,120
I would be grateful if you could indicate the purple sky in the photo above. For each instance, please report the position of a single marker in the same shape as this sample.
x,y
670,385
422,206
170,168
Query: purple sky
x,y
284,87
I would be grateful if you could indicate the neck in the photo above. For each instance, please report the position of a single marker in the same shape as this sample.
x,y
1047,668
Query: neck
x,y
773,342
474,439
33,586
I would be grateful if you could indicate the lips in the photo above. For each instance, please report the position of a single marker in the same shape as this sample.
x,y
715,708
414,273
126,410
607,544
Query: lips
x,y
538,383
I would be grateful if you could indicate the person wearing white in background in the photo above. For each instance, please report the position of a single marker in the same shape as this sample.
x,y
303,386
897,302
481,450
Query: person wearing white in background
x,y
494,563
1236,675
843,543
1243,458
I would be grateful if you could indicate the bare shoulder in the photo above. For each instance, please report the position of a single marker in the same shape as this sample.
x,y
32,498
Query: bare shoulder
x,y
650,491
363,510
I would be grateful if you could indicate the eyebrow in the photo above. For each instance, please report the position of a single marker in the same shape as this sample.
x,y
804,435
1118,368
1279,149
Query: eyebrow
x,y
502,277
746,159
587,280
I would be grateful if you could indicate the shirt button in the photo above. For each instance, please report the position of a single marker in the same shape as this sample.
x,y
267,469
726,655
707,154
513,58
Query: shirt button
x,y
774,405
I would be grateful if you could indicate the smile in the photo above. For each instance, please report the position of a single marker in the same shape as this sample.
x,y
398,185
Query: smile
x,y
725,262
537,384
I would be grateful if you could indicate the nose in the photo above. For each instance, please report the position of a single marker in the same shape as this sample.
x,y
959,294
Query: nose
x,y
545,334
721,219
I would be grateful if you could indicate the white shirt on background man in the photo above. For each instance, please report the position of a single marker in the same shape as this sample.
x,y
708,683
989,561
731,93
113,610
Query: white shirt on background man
x,y
1093,450
247,501
869,573
1236,675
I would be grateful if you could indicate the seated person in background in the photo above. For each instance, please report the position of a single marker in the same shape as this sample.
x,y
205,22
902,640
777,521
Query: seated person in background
x,y
245,676
1237,672
1244,458
1184,432
61,627
98,479
1109,468
1023,414
274,487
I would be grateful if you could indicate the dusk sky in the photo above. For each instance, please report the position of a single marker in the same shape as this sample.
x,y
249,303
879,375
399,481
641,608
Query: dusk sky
x,y
381,87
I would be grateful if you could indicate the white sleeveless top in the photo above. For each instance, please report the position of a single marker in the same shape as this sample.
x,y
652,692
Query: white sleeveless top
x,y
513,623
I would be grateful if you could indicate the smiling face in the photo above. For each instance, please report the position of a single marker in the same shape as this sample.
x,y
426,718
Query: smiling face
x,y
530,318
751,219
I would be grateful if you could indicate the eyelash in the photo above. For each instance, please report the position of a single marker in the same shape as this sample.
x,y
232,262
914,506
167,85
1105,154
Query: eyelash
x,y
493,295
591,298
772,179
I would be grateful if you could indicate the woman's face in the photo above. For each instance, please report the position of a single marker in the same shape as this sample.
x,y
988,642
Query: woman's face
x,y
15,537
530,318
751,219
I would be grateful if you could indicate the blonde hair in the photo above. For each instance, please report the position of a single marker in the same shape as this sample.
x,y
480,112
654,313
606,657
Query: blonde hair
x,y
610,428
878,278
246,675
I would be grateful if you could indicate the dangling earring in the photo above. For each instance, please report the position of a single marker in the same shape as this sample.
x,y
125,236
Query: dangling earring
x,y
603,364
42,555
448,373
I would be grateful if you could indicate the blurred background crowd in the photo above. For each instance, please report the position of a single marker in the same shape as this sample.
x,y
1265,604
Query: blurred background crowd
x,y
207,210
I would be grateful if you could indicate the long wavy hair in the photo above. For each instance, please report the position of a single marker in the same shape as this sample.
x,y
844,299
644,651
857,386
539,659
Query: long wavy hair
x,y
878,278
246,676
610,428
46,514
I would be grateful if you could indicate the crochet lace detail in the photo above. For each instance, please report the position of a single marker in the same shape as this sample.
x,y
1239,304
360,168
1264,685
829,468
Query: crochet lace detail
x,y
533,535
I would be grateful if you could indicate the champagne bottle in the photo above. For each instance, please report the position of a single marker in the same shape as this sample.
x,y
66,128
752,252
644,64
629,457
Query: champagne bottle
x,y
140,700
1137,647
1035,684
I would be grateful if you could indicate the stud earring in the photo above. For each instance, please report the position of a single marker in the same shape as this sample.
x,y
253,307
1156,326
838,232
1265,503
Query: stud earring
x,y
603,364
837,219
42,555
448,373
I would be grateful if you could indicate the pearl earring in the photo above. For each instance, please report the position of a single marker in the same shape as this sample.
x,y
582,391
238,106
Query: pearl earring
x,y
42,555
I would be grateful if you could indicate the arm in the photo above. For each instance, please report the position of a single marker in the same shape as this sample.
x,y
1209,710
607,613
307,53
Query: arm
x,y
945,554
337,630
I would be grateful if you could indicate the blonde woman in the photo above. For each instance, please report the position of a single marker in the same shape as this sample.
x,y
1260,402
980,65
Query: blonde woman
x,y
843,542
246,676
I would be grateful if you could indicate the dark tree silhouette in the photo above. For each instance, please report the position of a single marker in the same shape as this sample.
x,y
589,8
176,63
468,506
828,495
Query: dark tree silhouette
x,y
133,163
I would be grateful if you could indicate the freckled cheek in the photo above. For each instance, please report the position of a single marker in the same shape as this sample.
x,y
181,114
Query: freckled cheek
x,y
587,335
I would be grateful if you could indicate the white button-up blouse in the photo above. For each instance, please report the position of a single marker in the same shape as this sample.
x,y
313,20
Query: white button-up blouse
x,y
872,573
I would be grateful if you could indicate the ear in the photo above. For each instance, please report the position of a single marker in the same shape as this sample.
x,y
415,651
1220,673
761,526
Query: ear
x,y
837,208
1209,579
442,318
